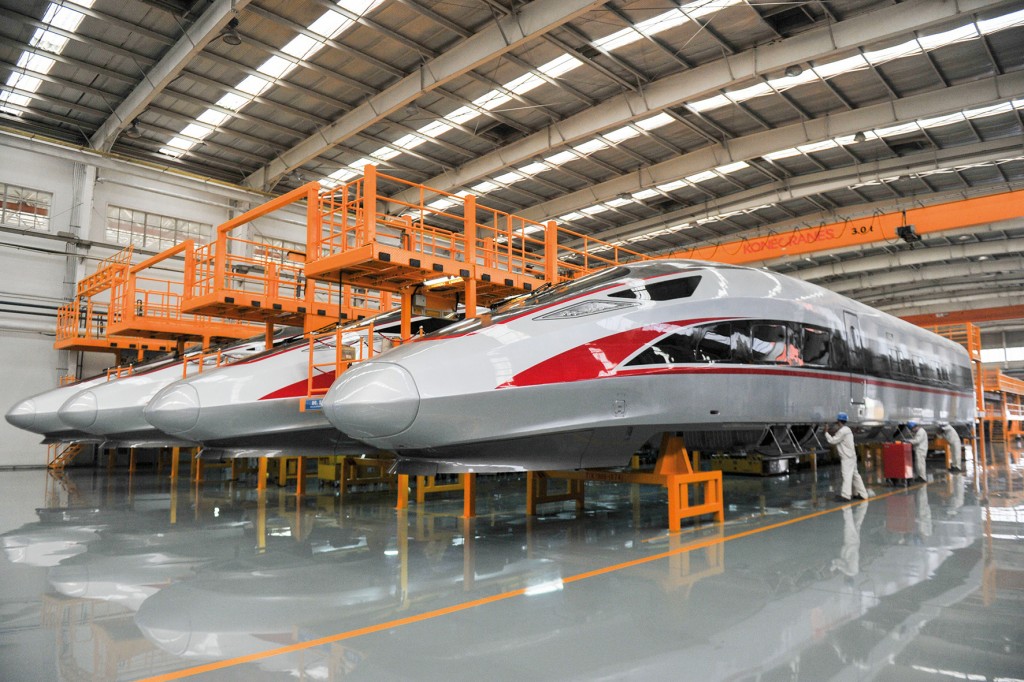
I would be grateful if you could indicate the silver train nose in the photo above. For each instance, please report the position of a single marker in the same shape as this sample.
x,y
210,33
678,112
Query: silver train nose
x,y
79,411
174,410
373,400
22,415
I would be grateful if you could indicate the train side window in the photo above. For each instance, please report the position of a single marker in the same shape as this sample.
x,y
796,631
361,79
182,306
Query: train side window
x,y
668,290
716,343
838,357
768,343
906,365
741,341
816,346
924,370
673,349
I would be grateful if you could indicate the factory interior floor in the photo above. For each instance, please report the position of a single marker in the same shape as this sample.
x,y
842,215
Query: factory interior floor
x,y
118,575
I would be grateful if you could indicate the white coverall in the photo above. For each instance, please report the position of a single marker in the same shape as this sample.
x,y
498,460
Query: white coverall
x,y
919,439
843,440
955,447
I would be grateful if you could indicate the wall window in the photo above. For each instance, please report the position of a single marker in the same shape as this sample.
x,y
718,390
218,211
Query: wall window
x,y
151,231
25,208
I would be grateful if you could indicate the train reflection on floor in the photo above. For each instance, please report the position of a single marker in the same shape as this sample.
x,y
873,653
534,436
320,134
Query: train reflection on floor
x,y
118,581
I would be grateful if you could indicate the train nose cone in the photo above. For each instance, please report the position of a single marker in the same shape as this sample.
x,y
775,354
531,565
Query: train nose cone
x,y
373,401
22,415
174,410
80,411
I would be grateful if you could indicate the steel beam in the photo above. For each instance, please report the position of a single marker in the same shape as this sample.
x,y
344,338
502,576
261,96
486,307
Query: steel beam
x,y
216,17
946,100
762,61
505,34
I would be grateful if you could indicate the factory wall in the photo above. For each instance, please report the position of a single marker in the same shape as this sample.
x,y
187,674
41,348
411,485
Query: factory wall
x,y
34,274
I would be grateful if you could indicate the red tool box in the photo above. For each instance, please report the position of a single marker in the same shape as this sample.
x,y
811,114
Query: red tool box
x,y
897,462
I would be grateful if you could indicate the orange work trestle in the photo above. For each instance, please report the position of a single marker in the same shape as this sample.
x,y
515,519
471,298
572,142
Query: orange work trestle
x,y
672,470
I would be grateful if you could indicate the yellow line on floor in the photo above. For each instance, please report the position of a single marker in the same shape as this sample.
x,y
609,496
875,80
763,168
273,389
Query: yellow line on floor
x,y
370,629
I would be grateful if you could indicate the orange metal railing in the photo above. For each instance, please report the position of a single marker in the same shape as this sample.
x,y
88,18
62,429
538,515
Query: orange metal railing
x,y
120,372
82,324
389,243
966,334
149,305
333,352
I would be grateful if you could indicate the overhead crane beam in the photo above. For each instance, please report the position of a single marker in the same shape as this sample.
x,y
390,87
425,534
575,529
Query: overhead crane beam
x,y
1009,312
863,231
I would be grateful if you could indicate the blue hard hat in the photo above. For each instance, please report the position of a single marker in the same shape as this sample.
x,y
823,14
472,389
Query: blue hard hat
x,y
911,424
842,416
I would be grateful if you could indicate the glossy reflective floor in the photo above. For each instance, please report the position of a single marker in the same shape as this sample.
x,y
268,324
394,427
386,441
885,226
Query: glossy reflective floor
x,y
124,577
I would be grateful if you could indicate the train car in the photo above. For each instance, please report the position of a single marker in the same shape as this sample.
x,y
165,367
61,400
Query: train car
x,y
113,411
251,408
584,373
40,413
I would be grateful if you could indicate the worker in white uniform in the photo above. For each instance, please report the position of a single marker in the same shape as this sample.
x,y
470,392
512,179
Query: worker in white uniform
x,y
842,437
955,446
919,441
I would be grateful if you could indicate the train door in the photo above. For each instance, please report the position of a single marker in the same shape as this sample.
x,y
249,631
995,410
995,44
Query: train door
x,y
855,348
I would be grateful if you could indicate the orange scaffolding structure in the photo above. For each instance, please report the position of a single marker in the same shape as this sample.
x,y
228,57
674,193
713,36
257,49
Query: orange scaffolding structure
x,y
149,306
362,237
247,279
82,324
1006,406
969,336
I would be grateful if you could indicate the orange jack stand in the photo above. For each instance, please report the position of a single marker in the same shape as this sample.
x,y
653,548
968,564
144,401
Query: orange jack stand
x,y
426,484
672,470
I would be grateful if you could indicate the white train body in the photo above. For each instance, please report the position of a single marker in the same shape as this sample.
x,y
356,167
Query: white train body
x,y
252,408
113,411
41,413
583,374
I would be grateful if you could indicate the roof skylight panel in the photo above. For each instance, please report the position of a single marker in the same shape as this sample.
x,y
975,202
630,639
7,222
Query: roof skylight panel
x,y
57,16
672,186
561,158
329,25
621,134
732,167
653,122
701,177
908,48
590,146
1010,20
534,168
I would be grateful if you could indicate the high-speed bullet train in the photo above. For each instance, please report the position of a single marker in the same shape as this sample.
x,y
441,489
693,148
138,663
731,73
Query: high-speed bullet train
x,y
584,373
40,413
251,408
113,411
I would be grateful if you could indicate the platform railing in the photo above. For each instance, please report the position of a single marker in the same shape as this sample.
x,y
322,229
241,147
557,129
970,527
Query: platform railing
x,y
453,227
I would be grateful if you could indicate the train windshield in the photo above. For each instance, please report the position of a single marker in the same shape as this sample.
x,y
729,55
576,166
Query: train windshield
x,y
547,295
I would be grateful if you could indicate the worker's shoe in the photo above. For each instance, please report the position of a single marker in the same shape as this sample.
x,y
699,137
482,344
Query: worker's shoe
x,y
918,479
859,497
955,470
840,498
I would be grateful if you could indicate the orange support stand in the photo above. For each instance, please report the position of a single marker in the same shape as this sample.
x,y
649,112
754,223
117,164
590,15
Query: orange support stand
x,y
300,476
403,492
672,470
261,475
